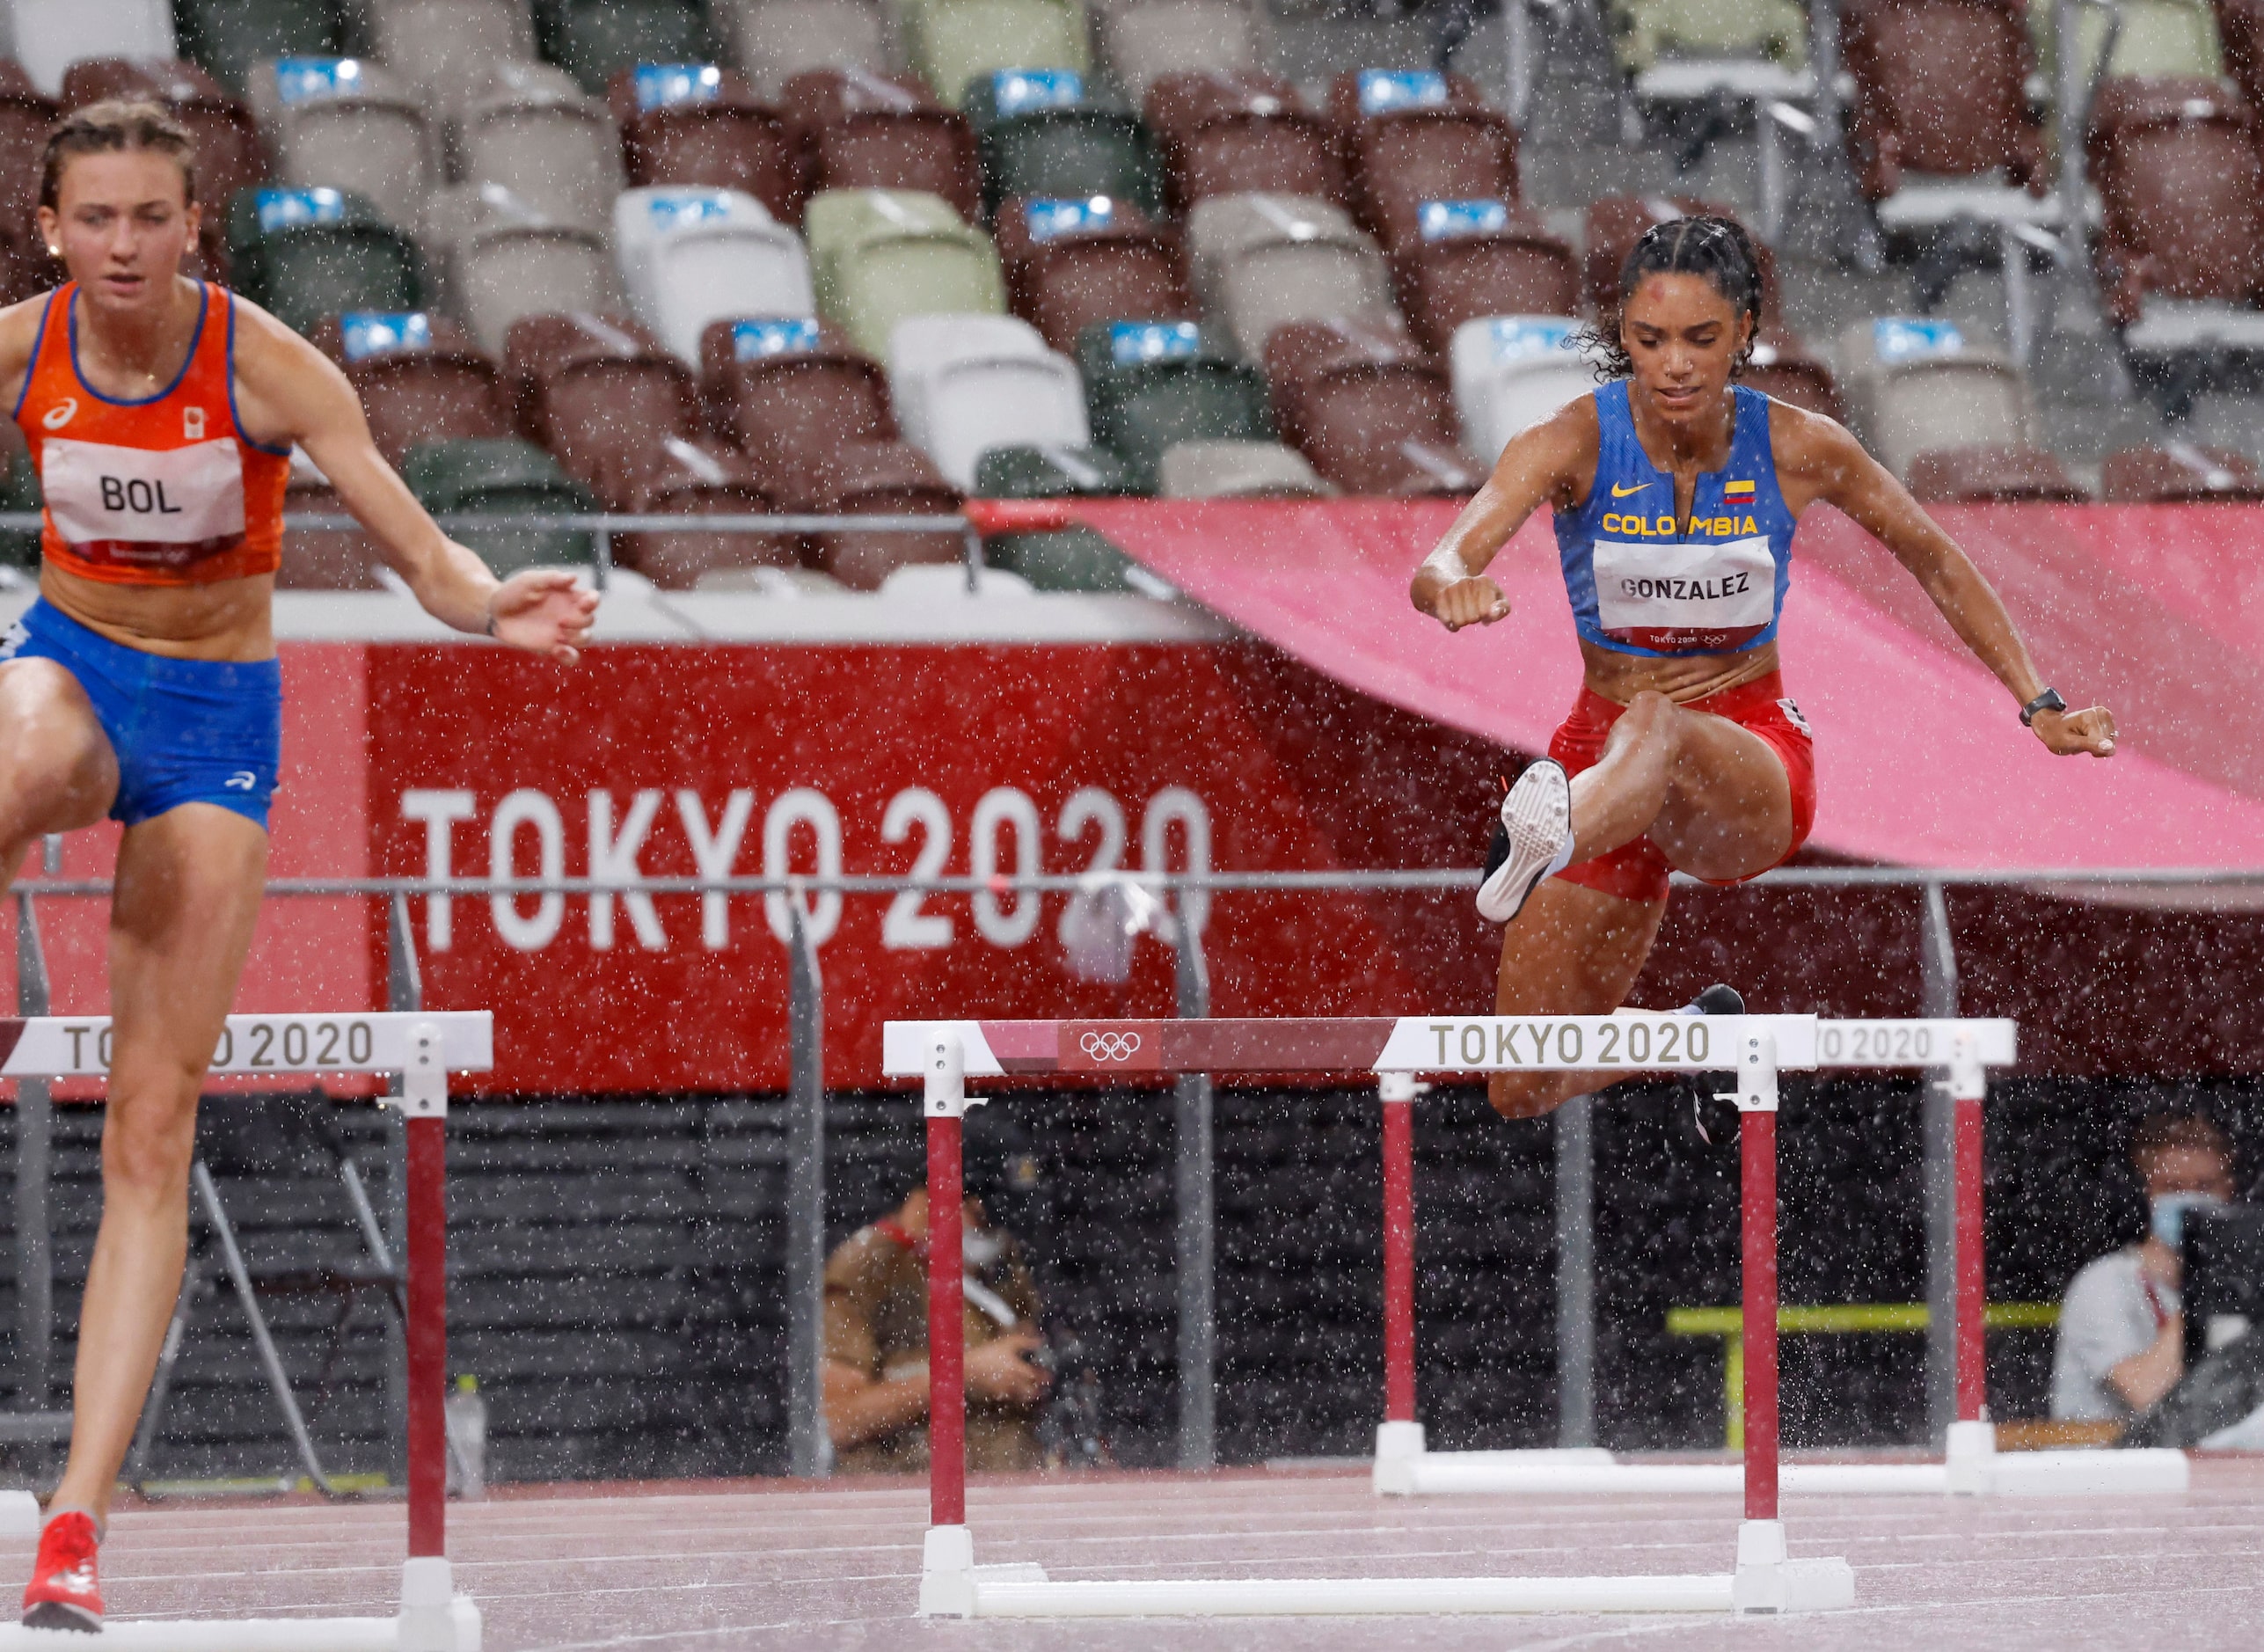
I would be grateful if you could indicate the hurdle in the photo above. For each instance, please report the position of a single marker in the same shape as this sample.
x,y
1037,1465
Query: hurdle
x,y
422,1047
1971,1464
1764,1578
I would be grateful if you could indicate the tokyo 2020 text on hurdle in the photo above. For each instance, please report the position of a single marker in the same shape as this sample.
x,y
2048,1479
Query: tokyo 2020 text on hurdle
x,y
423,1048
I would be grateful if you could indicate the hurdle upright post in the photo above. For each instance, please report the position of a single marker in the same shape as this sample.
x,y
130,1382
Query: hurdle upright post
x,y
948,1562
426,1588
1397,1090
1971,1441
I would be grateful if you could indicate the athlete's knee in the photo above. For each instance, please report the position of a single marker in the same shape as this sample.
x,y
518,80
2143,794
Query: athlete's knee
x,y
147,1144
55,764
1524,1095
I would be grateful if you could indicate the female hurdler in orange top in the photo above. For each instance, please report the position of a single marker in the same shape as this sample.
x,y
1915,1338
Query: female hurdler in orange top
x,y
143,685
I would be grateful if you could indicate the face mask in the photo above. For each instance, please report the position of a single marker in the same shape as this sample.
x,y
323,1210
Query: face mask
x,y
2169,1214
980,1248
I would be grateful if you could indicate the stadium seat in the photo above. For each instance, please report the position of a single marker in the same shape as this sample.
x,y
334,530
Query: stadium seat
x,y
952,42
27,272
698,124
2240,32
320,560
1050,471
964,384
882,255
1240,132
1783,368
1916,389
505,260
2152,38
773,40
349,124
1364,402
783,387
693,476
875,479
234,37
1481,258
1413,136
1071,263
1146,40
421,378
48,36
692,256
598,391
1152,385
1238,470
1260,260
2181,193
1061,151
1695,64
1510,372
505,477
534,132
230,155
862,130
2178,473
595,39
1067,559
25,115
1939,126
307,253
448,49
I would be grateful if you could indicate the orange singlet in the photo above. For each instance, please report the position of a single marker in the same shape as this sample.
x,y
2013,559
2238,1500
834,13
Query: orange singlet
x,y
163,490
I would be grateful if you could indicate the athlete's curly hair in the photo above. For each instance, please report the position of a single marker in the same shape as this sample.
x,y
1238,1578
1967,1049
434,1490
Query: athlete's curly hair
x,y
110,127
1719,249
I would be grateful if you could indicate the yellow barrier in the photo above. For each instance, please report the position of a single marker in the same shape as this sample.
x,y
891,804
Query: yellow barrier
x,y
1854,1318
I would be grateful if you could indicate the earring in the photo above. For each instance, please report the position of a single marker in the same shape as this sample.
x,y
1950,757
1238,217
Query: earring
x,y
53,250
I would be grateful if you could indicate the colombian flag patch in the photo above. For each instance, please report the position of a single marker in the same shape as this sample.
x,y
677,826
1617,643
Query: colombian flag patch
x,y
1737,493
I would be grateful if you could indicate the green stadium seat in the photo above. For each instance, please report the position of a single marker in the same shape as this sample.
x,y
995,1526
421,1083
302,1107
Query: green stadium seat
x,y
1067,560
228,37
595,39
953,42
1070,154
19,490
1051,472
880,255
502,476
307,253
2156,38
1646,32
1150,385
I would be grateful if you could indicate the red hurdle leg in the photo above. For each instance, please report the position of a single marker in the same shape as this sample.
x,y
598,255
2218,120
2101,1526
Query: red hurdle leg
x,y
1972,1352
946,1331
426,1192
1757,1144
1398,1248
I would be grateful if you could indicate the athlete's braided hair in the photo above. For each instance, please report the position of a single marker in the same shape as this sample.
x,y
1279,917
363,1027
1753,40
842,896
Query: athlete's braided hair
x,y
1717,249
113,125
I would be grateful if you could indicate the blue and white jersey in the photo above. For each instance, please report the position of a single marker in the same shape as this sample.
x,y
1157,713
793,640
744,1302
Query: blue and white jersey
x,y
1640,583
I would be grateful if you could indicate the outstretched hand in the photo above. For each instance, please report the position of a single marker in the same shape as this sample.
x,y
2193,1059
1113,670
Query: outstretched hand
x,y
1476,601
543,612
2065,733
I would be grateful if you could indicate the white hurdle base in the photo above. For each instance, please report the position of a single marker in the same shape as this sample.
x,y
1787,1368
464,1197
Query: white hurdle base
x,y
432,1619
1972,1466
952,1585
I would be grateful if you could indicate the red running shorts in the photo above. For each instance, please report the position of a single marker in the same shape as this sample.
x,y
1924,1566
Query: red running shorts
x,y
1637,870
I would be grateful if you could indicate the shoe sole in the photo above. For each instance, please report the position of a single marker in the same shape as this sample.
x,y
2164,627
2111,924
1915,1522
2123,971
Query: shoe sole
x,y
60,1614
1536,817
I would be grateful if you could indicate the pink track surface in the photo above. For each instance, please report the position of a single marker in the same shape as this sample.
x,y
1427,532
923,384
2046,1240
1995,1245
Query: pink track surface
x,y
705,1568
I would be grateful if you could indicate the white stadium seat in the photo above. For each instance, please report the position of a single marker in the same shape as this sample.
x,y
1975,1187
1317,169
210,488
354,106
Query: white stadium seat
x,y
689,256
349,123
48,36
962,384
1262,260
537,134
1511,372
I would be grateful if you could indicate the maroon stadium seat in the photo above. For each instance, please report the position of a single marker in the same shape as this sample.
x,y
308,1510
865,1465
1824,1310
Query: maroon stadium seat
x,y
1782,366
695,477
1369,406
598,391
25,115
321,560
1941,87
859,130
2182,188
1068,266
730,139
1981,475
1461,149
2179,474
1476,259
2240,28
1240,131
874,479
781,392
440,387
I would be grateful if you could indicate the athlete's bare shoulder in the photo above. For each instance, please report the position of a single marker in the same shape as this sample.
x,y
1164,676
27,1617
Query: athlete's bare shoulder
x,y
1810,445
1555,458
285,388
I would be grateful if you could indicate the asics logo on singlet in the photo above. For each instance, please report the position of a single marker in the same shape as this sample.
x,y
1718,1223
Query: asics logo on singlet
x,y
242,780
1110,1045
1618,492
61,414
1668,528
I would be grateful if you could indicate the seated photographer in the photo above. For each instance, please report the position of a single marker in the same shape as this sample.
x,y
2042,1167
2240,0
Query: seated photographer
x,y
2121,1336
876,1324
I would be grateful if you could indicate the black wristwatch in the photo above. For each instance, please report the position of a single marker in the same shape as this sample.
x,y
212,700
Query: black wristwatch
x,y
2049,700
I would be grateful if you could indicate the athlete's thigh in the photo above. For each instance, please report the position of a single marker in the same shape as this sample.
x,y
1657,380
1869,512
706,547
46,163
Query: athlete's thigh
x,y
1574,951
57,770
188,892
1728,813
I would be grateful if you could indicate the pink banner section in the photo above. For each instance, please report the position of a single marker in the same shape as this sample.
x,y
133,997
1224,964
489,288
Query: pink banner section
x,y
1921,759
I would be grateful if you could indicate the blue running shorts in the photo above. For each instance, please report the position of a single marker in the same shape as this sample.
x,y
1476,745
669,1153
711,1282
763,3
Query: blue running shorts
x,y
185,731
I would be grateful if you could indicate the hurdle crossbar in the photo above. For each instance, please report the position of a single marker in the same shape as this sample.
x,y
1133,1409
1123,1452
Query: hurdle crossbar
x,y
944,1054
423,1048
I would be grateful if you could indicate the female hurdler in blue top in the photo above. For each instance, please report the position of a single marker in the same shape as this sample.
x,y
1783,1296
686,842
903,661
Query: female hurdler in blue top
x,y
1675,491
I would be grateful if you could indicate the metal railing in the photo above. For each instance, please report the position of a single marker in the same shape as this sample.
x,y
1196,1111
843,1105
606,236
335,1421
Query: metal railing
x,y
808,1451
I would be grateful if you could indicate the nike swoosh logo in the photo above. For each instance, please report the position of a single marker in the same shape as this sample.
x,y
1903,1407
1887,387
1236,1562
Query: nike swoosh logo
x,y
1618,492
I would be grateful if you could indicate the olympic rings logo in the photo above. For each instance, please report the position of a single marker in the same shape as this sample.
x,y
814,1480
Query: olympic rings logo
x,y
1110,1045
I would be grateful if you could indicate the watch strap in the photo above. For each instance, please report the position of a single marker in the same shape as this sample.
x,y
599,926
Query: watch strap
x,y
2049,700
